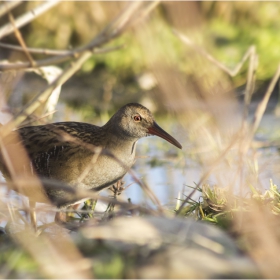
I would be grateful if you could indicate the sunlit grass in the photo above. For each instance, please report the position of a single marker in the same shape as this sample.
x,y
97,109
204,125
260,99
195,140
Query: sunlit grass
x,y
208,121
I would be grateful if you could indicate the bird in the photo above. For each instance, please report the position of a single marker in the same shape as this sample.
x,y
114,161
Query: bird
x,y
82,155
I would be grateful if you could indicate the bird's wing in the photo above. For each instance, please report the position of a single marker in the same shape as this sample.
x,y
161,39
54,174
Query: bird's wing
x,y
42,138
54,145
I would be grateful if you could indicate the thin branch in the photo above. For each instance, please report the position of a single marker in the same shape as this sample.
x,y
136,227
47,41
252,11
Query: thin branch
x,y
231,72
262,106
36,119
75,66
20,39
27,17
62,57
31,185
114,29
7,6
56,52
207,173
253,63
40,98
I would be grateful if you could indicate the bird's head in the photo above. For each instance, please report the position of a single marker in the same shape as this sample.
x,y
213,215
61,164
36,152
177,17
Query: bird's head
x,y
136,121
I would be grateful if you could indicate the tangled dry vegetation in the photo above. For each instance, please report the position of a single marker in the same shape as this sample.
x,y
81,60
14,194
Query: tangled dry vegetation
x,y
215,131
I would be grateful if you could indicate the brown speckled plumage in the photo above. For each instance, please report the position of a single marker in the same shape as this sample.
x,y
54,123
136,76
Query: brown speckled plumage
x,y
64,151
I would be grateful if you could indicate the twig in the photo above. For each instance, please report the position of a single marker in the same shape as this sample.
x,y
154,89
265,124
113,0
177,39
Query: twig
x,y
75,66
207,173
27,17
32,184
262,106
114,29
147,190
253,63
35,119
7,6
20,39
62,56
231,72
56,52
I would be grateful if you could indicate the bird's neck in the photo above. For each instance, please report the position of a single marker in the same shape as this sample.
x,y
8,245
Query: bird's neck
x,y
118,143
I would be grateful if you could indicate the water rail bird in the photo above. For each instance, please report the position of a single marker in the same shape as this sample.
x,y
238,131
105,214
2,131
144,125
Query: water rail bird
x,y
83,155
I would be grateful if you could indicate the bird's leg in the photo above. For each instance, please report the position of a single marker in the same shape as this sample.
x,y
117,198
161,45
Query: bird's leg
x,y
62,220
32,213
117,190
60,217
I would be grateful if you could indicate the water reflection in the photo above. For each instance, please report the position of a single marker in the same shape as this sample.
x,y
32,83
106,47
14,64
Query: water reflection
x,y
168,171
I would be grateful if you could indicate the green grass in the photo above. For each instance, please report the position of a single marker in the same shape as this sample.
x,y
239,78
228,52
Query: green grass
x,y
216,207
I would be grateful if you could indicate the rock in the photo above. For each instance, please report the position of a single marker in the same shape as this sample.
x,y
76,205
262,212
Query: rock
x,y
171,248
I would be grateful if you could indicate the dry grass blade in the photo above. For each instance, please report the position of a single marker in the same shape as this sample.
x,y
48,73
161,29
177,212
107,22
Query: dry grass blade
x,y
119,25
148,191
120,22
262,106
66,53
42,97
61,258
6,6
26,18
253,64
62,56
231,72
206,174
20,39
261,109
31,185
16,160
37,119
76,65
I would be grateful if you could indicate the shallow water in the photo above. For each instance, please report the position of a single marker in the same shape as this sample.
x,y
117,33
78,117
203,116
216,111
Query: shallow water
x,y
169,171
172,176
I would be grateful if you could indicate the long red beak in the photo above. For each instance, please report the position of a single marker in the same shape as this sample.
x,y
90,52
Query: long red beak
x,y
158,131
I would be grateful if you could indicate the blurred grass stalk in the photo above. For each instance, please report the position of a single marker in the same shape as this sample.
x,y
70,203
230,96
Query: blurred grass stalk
x,y
57,256
206,107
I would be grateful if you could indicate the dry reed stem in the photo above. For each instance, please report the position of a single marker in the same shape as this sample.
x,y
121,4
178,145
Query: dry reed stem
x,y
56,256
206,174
258,226
259,229
20,39
126,19
71,53
112,30
27,17
49,253
7,6
31,185
103,37
96,152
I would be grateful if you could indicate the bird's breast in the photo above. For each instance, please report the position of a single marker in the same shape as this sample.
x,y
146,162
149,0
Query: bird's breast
x,y
105,169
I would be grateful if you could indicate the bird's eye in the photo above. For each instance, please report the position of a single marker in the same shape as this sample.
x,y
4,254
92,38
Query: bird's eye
x,y
137,118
